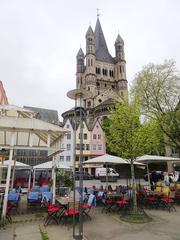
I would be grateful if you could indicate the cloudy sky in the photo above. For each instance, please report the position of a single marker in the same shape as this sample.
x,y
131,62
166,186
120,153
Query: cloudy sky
x,y
39,40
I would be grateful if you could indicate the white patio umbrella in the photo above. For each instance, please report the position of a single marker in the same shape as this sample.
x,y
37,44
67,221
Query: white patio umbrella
x,y
17,166
50,165
109,160
146,159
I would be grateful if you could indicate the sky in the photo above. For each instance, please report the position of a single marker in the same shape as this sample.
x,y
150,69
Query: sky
x,y
39,40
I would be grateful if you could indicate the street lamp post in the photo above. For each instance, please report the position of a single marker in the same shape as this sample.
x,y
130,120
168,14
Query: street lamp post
x,y
79,96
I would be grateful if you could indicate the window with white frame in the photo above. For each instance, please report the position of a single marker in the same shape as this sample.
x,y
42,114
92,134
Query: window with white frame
x,y
68,146
94,146
94,136
68,158
61,158
99,147
68,136
99,136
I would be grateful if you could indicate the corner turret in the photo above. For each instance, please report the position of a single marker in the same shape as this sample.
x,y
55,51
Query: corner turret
x,y
80,61
119,48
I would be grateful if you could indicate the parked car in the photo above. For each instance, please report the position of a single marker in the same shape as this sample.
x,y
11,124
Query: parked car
x,y
86,176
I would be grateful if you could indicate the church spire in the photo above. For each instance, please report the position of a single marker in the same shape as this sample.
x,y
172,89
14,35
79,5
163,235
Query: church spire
x,y
119,40
102,52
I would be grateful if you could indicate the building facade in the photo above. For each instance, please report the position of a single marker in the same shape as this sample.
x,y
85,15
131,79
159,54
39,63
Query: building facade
x,y
67,156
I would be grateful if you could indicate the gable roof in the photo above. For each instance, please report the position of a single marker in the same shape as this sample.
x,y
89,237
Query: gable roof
x,y
47,115
92,124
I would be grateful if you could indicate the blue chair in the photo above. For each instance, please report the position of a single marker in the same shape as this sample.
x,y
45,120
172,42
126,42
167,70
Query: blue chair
x,y
46,198
101,197
33,198
13,197
44,189
92,191
87,206
35,189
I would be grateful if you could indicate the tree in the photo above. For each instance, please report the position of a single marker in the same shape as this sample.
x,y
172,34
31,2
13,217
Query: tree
x,y
129,138
157,90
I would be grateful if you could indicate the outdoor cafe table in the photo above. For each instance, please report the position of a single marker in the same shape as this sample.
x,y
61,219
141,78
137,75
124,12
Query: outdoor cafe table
x,y
65,201
114,195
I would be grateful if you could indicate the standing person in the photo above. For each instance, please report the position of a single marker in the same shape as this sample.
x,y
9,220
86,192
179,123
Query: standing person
x,y
166,179
153,179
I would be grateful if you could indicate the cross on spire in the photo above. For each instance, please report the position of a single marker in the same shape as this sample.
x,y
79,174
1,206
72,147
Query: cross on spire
x,y
98,14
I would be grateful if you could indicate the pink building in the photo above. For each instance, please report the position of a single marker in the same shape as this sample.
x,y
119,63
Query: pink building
x,y
97,140
3,97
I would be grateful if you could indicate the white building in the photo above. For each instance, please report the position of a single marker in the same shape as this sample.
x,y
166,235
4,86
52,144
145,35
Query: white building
x,y
67,156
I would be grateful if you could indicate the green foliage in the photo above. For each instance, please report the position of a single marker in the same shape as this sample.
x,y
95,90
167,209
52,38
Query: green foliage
x,y
44,235
128,137
63,178
156,88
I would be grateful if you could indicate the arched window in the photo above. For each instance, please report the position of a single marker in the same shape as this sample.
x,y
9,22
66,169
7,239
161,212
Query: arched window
x,y
91,62
120,69
88,62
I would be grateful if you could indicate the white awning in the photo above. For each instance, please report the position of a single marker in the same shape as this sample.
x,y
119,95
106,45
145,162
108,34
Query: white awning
x,y
18,165
48,165
156,159
108,159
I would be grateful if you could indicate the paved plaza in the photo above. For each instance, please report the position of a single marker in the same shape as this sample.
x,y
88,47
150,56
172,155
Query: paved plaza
x,y
27,225
165,226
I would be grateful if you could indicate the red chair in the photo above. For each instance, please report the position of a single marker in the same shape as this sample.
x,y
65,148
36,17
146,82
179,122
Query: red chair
x,y
151,201
87,206
168,203
122,204
8,213
53,214
108,204
71,211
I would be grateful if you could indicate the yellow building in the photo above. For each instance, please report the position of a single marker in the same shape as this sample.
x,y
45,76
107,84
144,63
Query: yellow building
x,y
86,143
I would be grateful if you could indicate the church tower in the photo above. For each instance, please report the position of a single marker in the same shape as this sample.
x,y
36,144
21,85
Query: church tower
x,y
90,76
101,74
79,69
120,67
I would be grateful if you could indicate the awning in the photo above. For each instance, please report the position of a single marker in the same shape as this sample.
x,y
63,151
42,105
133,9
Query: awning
x,y
109,159
49,165
18,165
156,159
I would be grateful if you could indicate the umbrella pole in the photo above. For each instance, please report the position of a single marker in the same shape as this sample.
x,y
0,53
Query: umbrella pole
x,y
13,174
7,185
29,180
34,177
148,176
54,181
106,177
